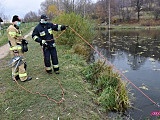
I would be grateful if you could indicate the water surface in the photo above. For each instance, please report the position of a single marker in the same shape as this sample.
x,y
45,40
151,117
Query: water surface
x,y
136,53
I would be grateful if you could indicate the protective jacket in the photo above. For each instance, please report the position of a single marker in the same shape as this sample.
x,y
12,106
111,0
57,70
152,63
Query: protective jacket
x,y
45,32
15,40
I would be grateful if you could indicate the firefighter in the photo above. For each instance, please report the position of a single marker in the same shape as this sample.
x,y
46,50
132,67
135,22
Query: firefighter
x,y
15,41
43,34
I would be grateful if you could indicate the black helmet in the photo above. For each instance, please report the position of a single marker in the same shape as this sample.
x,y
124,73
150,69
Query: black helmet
x,y
44,17
15,18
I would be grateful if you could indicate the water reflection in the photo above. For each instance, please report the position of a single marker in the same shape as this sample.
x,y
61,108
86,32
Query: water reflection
x,y
138,53
138,45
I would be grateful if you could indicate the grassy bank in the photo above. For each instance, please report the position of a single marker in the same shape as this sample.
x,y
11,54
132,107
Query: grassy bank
x,y
79,99
18,104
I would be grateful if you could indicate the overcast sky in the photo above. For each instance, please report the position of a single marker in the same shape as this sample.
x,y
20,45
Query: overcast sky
x,y
19,7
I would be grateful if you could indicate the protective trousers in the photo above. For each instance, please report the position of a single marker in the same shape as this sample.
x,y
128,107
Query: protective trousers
x,y
50,52
19,70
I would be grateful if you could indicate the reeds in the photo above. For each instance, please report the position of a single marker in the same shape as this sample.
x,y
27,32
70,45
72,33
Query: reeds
x,y
109,88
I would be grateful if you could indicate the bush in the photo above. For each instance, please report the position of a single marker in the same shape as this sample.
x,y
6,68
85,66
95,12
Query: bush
x,y
82,49
110,90
149,22
82,26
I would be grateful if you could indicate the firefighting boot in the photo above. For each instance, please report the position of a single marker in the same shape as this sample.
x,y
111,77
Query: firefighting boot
x,y
49,71
16,78
28,79
56,70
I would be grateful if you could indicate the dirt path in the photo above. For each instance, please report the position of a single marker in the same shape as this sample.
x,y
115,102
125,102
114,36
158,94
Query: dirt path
x,y
4,50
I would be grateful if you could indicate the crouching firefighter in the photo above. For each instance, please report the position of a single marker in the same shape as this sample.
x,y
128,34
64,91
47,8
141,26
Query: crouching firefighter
x,y
43,34
18,46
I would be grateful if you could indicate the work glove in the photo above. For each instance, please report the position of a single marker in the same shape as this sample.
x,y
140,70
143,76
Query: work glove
x,y
44,43
24,41
63,27
54,45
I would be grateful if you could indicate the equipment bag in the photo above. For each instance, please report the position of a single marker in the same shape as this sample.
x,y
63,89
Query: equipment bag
x,y
24,45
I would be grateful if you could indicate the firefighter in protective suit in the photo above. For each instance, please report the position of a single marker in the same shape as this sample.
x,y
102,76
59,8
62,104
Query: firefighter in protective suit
x,y
15,41
43,34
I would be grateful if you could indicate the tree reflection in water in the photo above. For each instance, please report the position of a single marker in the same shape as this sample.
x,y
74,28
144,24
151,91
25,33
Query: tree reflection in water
x,y
138,52
138,45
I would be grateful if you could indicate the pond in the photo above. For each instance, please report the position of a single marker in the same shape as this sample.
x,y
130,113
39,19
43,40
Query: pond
x,y
136,53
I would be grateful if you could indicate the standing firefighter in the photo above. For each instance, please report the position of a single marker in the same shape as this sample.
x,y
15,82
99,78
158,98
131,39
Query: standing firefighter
x,y
43,34
17,50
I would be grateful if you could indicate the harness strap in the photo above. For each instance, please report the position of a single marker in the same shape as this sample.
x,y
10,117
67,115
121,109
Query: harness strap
x,y
50,40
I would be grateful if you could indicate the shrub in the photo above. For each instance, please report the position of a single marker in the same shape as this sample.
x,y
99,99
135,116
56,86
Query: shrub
x,y
110,90
82,49
82,26
149,22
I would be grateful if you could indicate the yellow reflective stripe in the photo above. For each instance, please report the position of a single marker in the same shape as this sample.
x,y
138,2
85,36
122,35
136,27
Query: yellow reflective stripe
x,y
59,27
11,49
35,37
18,35
50,31
15,74
48,68
42,33
12,34
17,47
23,75
55,66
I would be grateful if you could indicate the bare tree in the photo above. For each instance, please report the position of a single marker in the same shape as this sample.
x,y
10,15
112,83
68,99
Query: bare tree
x,y
101,10
45,5
31,17
2,16
83,7
156,9
125,9
138,7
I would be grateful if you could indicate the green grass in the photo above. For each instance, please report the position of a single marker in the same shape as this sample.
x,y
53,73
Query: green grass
x,y
18,104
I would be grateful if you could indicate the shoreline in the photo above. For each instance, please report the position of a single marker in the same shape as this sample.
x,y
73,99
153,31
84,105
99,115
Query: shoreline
x,y
126,26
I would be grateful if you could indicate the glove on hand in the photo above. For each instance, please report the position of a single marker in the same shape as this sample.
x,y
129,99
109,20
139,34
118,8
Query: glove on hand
x,y
54,45
63,27
44,42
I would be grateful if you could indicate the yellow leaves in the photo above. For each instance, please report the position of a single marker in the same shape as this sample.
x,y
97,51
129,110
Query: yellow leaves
x,y
53,10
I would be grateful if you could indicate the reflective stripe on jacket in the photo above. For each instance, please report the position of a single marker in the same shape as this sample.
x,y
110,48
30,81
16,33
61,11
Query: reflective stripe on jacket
x,y
45,32
14,36
17,47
